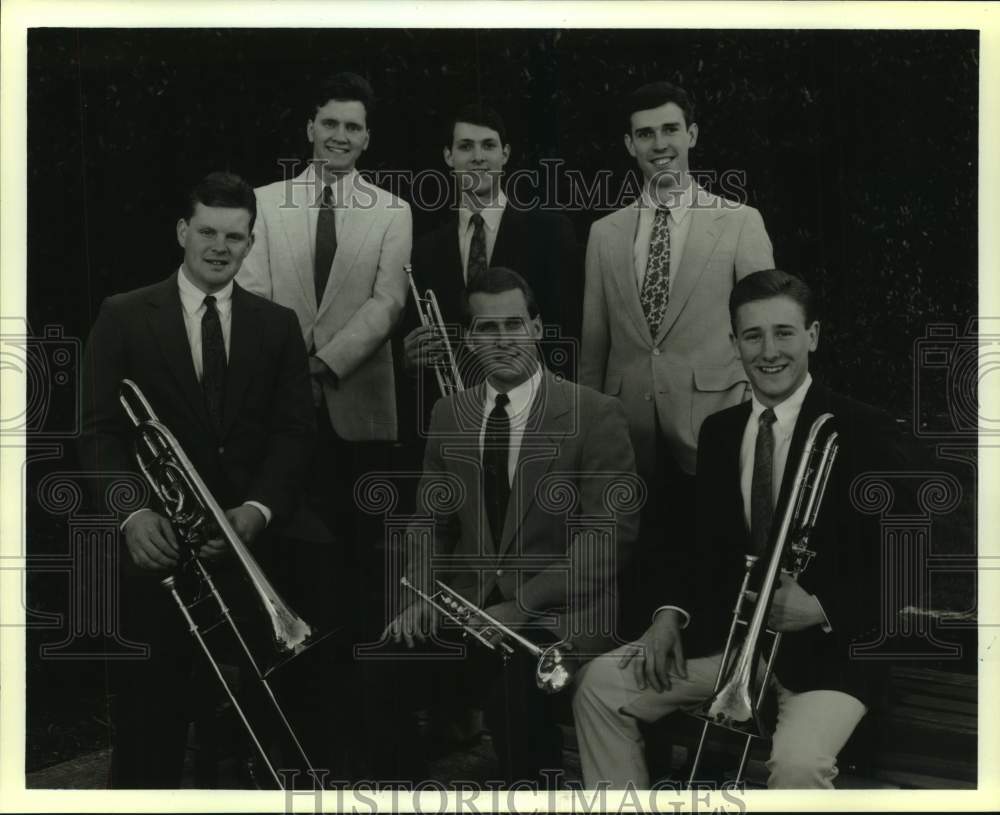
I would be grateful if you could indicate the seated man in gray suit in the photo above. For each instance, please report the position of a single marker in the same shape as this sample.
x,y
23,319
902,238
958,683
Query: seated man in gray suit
x,y
655,320
534,534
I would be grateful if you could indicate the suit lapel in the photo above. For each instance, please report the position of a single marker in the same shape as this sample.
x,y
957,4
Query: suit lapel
x,y
548,423
464,459
245,337
701,239
623,267
730,449
813,405
167,322
295,221
358,220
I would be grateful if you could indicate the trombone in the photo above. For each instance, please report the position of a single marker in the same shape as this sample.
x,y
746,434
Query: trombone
x,y
445,370
740,688
196,517
552,672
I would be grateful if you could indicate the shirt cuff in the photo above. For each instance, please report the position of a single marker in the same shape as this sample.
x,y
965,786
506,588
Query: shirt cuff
x,y
123,524
827,628
263,511
687,617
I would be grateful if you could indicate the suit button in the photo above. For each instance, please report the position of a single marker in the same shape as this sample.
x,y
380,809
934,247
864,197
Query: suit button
x,y
222,450
648,396
499,572
656,352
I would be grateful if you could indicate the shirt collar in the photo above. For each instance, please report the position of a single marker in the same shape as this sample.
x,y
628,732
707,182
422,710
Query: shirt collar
x,y
786,413
681,202
491,214
521,396
340,187
192,298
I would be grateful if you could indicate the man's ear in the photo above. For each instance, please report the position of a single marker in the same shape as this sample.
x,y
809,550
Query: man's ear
x,y
310,131
813,332
506,154
629,145
447,158
182,228
693,133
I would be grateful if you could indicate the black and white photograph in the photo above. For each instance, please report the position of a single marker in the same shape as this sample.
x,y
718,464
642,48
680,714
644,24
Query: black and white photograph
x,y
498,407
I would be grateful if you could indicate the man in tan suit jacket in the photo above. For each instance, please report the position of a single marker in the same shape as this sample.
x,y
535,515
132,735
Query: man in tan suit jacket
x,y
332,246
655,318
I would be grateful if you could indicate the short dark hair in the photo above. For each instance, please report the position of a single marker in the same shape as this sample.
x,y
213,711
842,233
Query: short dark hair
x,y
475,113
344,87
770,283
653,95
495,280
223,189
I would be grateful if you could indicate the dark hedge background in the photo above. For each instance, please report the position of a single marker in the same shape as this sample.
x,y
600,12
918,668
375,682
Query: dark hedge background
x,y
859,148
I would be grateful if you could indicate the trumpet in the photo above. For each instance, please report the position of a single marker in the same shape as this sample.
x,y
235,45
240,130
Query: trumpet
x,y
196,517
740,688
445,370
552,671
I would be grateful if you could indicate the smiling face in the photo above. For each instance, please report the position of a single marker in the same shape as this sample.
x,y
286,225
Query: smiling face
x,y
659,140
503,336
339,135
478,156
774,342
215,241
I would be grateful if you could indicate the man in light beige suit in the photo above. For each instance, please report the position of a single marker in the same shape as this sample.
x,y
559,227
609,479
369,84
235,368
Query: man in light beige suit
x,y
332,247
655,319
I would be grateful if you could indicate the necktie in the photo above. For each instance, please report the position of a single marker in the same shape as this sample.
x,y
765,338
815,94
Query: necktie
x,y
656,283
496,451
326,243
213,362
477,248
762,486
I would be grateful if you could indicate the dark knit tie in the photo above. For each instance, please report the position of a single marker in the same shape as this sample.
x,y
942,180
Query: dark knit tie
x,y
326,243
762,487
477,248
496,453
655,291
213,362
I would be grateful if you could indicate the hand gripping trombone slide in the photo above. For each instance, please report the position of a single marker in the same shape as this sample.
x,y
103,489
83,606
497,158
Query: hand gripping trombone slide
x,y
740,688
552,673
445,370
196,516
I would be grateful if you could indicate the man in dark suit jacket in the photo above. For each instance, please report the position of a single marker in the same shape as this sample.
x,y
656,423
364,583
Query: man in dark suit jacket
x,y
226,371
525,456
485,230
747,460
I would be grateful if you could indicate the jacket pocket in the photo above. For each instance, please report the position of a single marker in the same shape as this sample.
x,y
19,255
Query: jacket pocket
x,y
716,387
613,384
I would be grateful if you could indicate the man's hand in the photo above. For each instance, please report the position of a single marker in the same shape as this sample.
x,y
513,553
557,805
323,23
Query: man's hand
x,y
151,542
793,608
656,652
422,347
416,622
247,522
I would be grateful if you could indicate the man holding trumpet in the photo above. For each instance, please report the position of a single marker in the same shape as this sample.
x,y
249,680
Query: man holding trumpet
x,y
747,460
509,452
226,372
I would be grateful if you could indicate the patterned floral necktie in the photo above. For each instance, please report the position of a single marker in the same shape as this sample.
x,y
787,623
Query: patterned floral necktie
x,y
656,284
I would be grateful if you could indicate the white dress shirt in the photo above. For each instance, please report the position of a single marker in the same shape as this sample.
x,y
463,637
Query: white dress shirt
x,y
343,197
491,222
193,306
517,409
678,224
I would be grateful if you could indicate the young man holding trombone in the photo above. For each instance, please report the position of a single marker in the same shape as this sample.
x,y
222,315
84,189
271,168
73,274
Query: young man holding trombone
x,y
751,468
527,504
226,373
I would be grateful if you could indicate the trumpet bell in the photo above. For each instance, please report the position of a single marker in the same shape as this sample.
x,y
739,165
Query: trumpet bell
x,y
552,674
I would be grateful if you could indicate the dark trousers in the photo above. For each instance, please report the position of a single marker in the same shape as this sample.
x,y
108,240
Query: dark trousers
x,y
521,718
